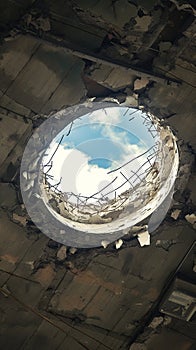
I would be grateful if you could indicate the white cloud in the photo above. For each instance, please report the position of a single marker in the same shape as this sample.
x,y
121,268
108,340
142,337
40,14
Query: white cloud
x,y
80,177
107,115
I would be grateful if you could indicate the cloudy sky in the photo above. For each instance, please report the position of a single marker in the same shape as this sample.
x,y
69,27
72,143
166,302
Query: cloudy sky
x,y
99,143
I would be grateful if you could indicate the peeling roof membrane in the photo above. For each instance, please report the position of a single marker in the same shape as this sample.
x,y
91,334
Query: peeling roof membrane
x,y
104,169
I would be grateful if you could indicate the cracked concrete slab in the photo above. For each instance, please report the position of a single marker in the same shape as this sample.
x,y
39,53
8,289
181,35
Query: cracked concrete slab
x,y
11,130
117,13
112,78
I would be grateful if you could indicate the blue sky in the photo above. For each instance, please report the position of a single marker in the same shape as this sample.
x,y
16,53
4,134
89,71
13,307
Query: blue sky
x,y
91,137
98,143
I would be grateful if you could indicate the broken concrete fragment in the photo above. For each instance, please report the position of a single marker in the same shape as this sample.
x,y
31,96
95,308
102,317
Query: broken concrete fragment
x,y
112,78
191,218
175,214
165,244
140,83
19,219
142,23
130,101
138,229
104,244
185,6
119,243
62,253
41,23
144,238
97,219
156,322
167,320
25,175
118,14
72,250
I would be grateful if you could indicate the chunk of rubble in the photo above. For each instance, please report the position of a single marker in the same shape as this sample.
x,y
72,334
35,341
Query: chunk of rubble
x,y
165,243
167,320
118,243
19,219
175,214
62,253
157,321
137,229
144,238
72,250
191,218
104,244
131,99
140,83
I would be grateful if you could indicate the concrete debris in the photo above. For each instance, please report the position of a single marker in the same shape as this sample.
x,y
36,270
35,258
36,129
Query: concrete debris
x,y
119,243
62,253
72,250
111,99
157,321
131,101
19,219
142,23
165,244
191,218
138,346
185,6
104,244
71,267
175,214
97,219
25,175
140,83
137,229
121,14
144,238
167,320
115,78
29,185
38,23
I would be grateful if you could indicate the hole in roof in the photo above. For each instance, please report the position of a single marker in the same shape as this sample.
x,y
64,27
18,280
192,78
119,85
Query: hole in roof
x,y
101,155
106,168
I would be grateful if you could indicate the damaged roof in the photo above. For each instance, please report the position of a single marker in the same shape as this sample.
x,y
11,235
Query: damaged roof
x,y
56,54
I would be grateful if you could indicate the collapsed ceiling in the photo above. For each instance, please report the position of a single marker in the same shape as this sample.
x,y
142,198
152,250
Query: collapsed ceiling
x,y
56,54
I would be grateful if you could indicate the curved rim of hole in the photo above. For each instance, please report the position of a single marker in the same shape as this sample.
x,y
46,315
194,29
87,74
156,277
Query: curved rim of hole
x,y
77,233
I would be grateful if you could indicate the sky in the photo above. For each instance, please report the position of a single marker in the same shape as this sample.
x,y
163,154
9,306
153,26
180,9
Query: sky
x,y
94,147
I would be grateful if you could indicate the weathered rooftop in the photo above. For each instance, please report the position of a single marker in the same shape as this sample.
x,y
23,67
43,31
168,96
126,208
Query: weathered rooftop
x,y
55,54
